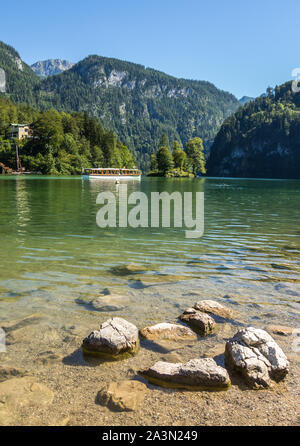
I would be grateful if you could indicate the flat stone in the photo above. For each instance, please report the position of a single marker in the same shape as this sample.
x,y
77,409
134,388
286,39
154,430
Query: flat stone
x,y
213,307
166,330
110,302
21,323
171,357
130,268
280,330
123,396
196,374
200,322
24,392
7,372
115,336
255,354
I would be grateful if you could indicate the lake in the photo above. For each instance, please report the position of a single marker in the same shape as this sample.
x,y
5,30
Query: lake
x,y
55,260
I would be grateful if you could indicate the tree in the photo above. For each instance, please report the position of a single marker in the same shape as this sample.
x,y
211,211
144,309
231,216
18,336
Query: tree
x,y
179,158
164,160
153,162
164,141
176,145
195,152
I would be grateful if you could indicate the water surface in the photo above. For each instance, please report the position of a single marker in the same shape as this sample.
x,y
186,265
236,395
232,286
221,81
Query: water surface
x,y
54,256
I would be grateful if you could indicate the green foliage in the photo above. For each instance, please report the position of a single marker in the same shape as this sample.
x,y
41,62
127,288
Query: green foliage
x,y
195,152
187,162
164,159
139,104
62,143
261,139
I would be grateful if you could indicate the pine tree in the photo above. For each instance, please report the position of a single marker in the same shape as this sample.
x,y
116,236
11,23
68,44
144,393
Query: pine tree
x,y
195,151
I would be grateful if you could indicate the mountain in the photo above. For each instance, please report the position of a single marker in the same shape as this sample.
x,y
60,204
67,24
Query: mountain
x,y
138,103
51,66
20,80
245,99
262,139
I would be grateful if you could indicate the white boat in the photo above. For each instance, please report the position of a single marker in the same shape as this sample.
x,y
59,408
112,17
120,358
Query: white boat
x,y
110,173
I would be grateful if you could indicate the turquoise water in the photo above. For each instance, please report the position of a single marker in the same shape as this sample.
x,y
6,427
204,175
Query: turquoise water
x,y
54,256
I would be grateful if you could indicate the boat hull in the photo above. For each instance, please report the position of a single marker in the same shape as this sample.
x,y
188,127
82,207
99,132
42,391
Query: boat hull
x,y
111,177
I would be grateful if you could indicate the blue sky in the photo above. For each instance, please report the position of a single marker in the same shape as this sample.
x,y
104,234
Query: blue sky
x,y
240,46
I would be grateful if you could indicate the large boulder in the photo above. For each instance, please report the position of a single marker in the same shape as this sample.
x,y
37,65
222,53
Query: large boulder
x,y
213,307
255,354
200,322
197,374
123,396
116,336
166,330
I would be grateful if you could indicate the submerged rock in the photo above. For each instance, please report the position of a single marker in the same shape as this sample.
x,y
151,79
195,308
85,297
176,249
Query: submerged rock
x,y
213,307
217,350
24,392
255,354
196,374
110,302
130,268
280,330
115,336
123,396
7,372
200,322
166,330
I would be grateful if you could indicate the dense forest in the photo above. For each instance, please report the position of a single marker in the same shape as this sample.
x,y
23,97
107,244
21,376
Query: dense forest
x,y
178,161
262,139
139,104
62,143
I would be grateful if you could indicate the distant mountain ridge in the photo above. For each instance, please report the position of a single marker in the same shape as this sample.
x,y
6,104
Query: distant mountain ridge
x,y
138,103
51,67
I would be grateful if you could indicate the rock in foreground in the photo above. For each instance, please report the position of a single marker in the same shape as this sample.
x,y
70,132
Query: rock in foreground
x,y
166,330
200,322
255,354
197,374
213,307
116,336
123,396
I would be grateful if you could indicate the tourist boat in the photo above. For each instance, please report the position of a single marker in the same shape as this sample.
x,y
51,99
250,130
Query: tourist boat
x,y
110,173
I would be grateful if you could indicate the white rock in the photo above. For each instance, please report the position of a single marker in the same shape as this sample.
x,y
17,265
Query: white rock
x,y
166,330
197,373
114,337
213,307
255,354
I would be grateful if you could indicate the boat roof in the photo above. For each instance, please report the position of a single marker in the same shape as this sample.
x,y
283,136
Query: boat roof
x,y
111,168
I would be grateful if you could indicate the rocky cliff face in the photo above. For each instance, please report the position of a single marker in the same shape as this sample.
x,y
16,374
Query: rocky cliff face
x,y
51,66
